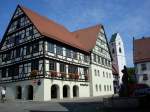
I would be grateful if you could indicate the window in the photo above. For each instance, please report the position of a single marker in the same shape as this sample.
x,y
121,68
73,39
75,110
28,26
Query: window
x,y
94,56
35,65
18,24
107,87
52,65
28,50
103,74
8,55
143,67
109,75
26,69
68,53
145,77
95,72
110,87
96,87
106,74
4,57
59,50
51,47
109,63
85,71
16,70
17,52
74,54
102,61
99,60
72,69
106,62
104,87
3,72
12,54
11,71
17,39
85,58
113,51
120,50
98,73
31,32
35,48
100,89
62,67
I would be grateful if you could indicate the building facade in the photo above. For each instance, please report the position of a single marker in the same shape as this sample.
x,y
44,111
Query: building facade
x,y
42,60
141,56
116,79
118,54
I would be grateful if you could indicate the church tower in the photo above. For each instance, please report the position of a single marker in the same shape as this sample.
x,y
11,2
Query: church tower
x,y
118,53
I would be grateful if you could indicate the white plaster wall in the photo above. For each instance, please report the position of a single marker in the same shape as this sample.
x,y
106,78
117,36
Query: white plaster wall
x,y
38,90
83,90
99,79
140,73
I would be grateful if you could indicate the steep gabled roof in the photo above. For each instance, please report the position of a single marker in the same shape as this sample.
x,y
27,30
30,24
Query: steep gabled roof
x,y
141,50
52,29
88,36
84,39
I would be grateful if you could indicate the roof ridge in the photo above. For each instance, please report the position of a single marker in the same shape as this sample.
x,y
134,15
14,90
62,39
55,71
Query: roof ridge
x,y
53,30
44,17
93,26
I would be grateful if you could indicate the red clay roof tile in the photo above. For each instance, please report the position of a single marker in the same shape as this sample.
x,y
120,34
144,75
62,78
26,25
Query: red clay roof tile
x,y
88,36
84,39
141,50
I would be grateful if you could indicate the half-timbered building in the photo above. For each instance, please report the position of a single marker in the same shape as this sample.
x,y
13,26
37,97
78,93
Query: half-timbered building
x,y
41,60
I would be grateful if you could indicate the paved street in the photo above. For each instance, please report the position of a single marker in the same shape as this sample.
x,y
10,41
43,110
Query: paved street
x,y
88,105
69,105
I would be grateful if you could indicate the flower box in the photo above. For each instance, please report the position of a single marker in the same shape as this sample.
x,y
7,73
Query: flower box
x,y
34,73
76,76
53,74
63,75
72,76
86,77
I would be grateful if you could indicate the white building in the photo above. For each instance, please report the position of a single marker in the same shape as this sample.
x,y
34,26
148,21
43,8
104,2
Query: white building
x,y
141,56
41,59
118,54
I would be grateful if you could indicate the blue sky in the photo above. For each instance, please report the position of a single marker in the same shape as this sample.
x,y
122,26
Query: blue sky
x,y
131,18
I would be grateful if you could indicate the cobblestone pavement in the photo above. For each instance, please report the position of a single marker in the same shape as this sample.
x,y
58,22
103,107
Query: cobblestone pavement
x,y
94,104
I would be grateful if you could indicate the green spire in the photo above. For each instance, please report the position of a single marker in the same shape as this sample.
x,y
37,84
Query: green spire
x,y
113,37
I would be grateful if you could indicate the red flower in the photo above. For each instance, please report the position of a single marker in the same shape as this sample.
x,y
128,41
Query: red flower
x,y
72,76
53,74
86,77
76,76
63,75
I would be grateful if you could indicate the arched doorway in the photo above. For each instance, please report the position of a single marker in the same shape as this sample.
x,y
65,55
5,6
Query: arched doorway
x,y
30,92
75,91
54,91
66,91
18,92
